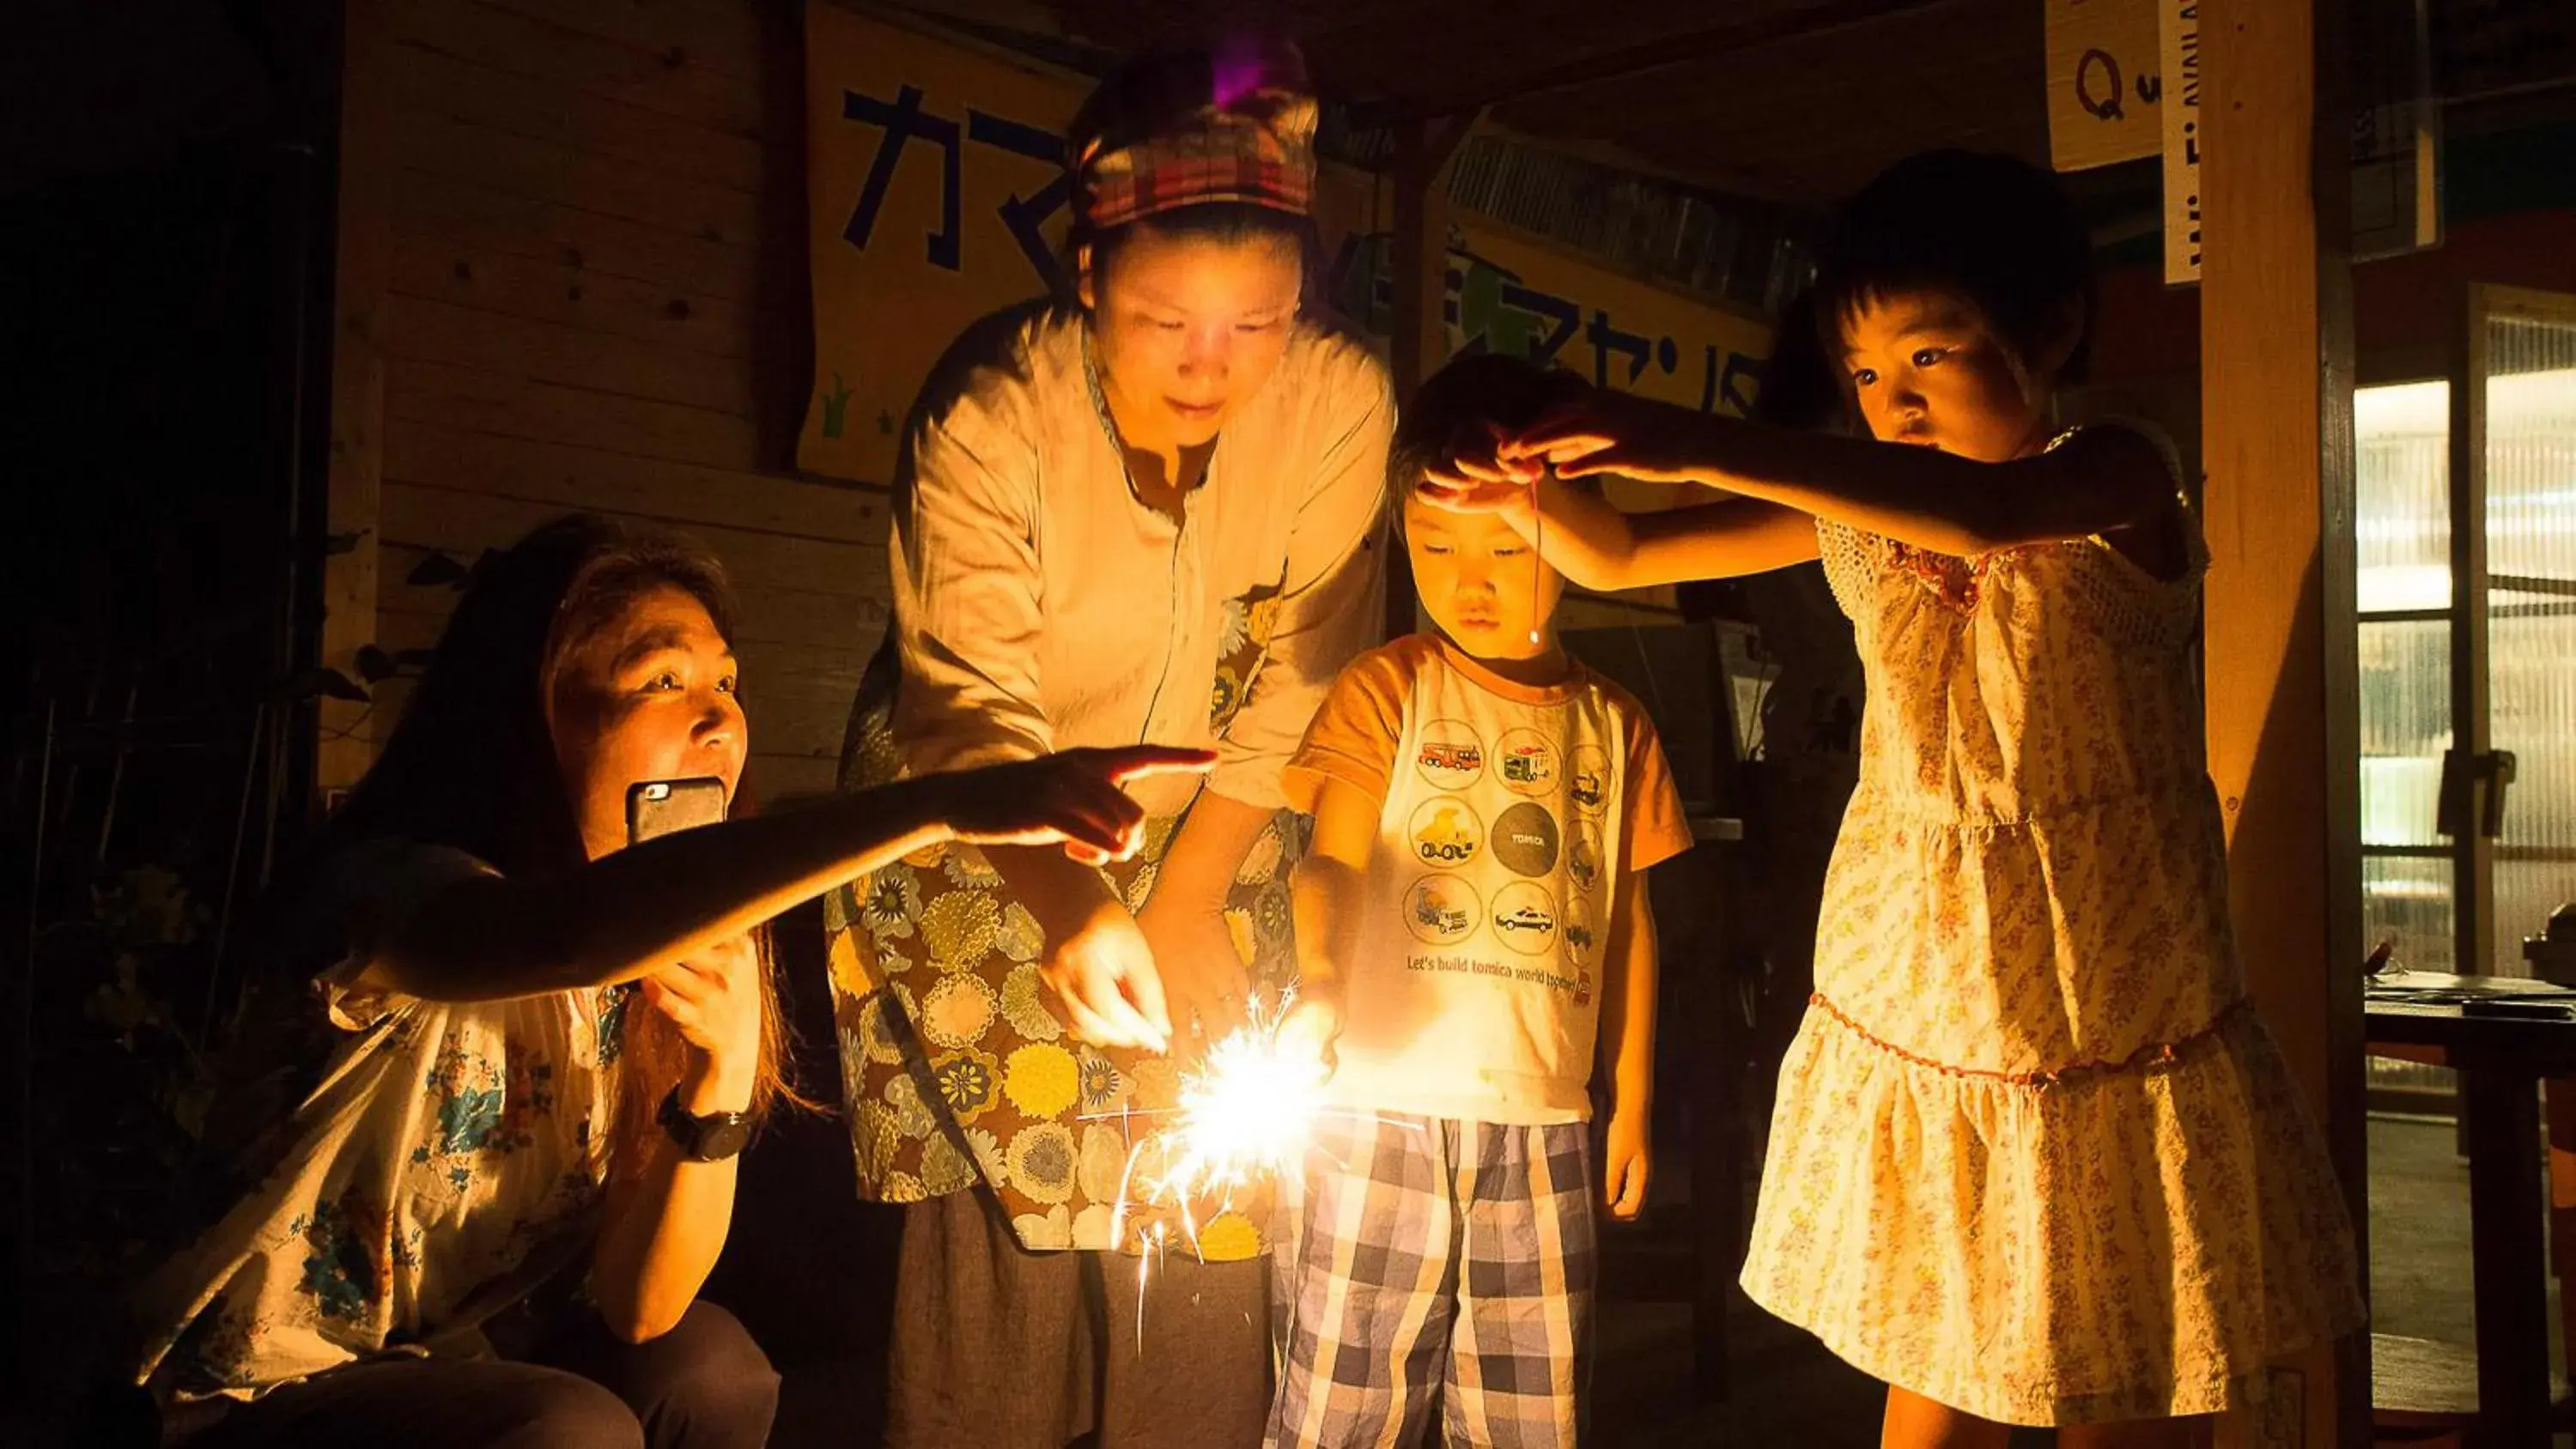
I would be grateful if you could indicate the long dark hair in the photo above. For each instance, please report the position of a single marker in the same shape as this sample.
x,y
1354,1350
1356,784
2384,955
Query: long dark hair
x,y
472,762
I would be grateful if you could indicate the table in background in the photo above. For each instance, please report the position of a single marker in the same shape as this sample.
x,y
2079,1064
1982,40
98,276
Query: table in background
x,y
2424,1017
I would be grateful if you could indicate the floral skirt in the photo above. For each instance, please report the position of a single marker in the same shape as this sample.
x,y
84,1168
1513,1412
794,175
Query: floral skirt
x,y
955,1064
2136,1240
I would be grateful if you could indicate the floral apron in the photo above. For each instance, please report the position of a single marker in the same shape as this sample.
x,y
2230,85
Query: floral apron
x,y
955,1065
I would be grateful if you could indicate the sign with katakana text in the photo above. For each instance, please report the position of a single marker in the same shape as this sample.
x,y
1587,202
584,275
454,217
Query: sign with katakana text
x,y
936,196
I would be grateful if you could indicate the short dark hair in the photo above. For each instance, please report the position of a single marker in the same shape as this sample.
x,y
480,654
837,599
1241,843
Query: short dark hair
x,y
1994,230
1486,387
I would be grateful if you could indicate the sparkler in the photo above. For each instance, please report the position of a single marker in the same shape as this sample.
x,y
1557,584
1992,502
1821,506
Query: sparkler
x,y
1243,1113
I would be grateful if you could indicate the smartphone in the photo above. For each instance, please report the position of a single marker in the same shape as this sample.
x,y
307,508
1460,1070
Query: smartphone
x,y
658,807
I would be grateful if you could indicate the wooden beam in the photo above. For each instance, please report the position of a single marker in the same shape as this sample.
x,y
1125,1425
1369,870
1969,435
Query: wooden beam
x,y
1420,340
2276,378
1423,150
363,253
1732,36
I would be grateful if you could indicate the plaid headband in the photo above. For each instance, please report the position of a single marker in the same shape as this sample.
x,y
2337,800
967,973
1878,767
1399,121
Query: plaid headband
x,y
1258,148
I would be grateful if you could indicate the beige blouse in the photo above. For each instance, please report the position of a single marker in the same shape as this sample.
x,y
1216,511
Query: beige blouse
x,y
1039,605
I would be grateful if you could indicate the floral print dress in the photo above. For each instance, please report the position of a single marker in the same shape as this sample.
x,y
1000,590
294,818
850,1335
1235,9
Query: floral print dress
x,y
2033,1155
429,1165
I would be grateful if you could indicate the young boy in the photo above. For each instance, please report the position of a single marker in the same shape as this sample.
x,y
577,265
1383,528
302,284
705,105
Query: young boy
x,y
1473,906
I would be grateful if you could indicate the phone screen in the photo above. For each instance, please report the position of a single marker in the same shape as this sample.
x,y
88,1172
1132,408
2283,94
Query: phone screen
x,y
658,807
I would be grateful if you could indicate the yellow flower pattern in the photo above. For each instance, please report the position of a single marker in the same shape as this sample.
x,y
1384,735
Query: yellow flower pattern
x,y
1041,1079
1229,1238
960,927
958,1011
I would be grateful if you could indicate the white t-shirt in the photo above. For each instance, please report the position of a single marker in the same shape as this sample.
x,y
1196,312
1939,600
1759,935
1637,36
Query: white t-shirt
x,y
1507,817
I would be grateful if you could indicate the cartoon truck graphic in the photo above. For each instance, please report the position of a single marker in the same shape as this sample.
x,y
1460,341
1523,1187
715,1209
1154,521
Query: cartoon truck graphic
x,y
1444,838
1584,863
1587,789
1527,918
1432,910
1465,759
1526,765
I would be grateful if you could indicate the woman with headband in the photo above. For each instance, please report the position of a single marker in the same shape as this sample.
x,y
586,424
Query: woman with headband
x,y
1148,513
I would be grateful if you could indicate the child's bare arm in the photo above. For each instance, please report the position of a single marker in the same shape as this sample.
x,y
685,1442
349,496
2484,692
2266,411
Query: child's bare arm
x,y
2098,482
1596,546
1628,987
1325,897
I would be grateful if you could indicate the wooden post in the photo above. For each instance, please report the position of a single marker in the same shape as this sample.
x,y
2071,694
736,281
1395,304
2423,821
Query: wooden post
x,y
2276,379
362,250
1420,335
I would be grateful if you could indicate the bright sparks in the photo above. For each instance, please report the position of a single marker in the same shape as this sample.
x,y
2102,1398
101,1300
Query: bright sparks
x,y
1243,1112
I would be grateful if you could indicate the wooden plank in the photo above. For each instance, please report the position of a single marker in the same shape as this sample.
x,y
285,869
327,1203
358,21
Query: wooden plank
x,y
2276,380
526,45
769,614
431,81
802,766
494,402
439,455
576,357
354,478
465,523
796,693
549,171
415,624
545,290
724,39
469,213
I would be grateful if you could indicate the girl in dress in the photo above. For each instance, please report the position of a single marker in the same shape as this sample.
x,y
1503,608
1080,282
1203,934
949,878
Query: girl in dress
x,y
2034,1159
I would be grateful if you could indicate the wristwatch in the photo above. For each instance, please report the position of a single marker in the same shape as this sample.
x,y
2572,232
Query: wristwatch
x,y
711,1138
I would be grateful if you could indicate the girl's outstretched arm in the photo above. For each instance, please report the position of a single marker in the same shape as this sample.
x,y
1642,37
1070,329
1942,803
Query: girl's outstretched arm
x,y
2097,482
1596,546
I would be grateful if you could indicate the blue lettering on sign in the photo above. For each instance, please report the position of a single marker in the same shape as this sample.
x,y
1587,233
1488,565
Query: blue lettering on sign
x,y
904,122
1027,216
1563,312
1606,339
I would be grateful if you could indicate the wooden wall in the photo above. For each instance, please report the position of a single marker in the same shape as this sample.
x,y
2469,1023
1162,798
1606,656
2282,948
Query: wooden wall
x,y
573,275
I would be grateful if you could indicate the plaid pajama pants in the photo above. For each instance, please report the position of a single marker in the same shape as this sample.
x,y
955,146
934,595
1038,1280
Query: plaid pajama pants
x,y
1436,1254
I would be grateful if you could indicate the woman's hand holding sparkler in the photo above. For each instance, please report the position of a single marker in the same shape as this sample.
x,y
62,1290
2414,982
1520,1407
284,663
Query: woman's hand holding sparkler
x,y
1103,972
1097,962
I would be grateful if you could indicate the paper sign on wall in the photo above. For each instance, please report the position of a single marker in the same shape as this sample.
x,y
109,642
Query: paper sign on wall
x,y
2178,30
935,196
2104,83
